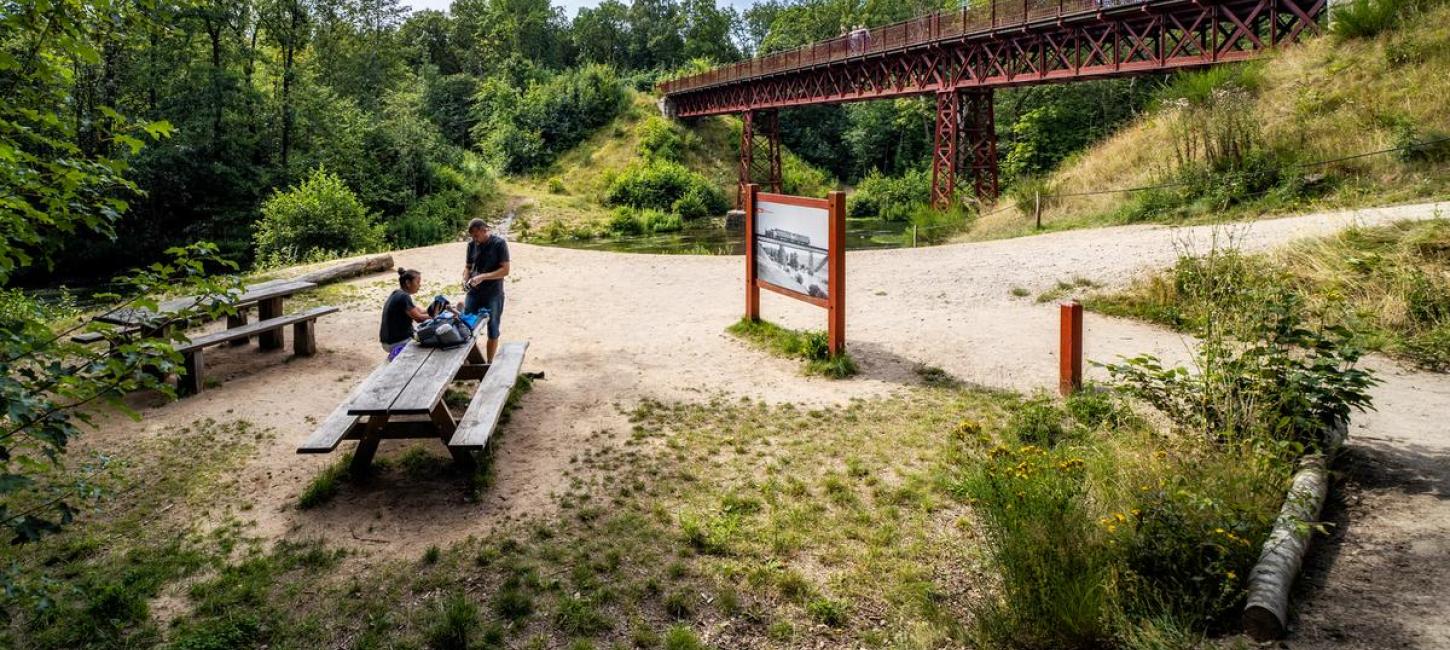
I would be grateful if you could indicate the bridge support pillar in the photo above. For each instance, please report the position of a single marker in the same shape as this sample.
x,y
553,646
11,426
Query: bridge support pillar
x,y
966,139
759,152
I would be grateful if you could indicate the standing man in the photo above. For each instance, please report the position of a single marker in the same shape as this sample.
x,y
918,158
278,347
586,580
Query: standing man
x,y
483,273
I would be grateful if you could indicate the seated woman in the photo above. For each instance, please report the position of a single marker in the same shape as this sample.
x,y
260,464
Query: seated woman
x,y
399,312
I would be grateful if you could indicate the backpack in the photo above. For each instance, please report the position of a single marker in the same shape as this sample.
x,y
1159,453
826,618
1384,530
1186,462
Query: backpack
x,y
444,331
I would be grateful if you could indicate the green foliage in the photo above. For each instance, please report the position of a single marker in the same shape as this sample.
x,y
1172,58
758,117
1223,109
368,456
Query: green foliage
x,y
660,139
319,218
935,226
630,221
323,487
437,218
49,385
1262,372
577,616
1190,543
455,623
811,347
890,198
1053,561
1197,190
828,612
661,185
525,130
1366,18
1037,421
681,637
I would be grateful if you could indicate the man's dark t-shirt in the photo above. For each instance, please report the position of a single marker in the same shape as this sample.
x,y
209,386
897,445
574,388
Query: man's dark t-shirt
x,y
397,324
487,258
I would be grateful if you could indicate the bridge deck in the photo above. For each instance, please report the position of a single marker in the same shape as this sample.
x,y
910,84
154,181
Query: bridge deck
x,y
981,18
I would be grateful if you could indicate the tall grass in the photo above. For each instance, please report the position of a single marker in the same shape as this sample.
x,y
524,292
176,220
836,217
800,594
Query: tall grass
x,y
1390,285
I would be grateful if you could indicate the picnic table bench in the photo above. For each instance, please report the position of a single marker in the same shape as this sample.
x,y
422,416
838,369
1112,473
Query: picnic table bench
x,y
269,298
403,399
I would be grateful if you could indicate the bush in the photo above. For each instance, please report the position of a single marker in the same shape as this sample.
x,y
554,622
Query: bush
x,y
1191,541
437,218
660,184
890,198
629,221
1365,18
1054,565
934,226
319,218
527,130
1262,374
1037,421
659,139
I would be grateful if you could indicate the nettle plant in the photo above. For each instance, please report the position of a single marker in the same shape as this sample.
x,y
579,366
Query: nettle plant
x,y
1261,373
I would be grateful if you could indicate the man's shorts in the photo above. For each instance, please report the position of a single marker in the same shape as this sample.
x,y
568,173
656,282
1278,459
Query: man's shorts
x,y
494,305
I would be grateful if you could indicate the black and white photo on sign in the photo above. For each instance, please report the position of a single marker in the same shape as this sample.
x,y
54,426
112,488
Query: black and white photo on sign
x,y
791,247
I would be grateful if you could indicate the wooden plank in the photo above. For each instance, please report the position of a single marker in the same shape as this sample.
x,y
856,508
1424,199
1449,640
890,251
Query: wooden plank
x,y
379,392
251,295
426,388
252,329
484,410
193,373
270,309
340,424
304,338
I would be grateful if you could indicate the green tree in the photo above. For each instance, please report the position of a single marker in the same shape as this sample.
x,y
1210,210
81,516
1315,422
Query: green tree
x,y
601,34
317,218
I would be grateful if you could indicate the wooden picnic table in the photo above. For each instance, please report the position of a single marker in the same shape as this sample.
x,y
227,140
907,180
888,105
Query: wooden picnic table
x,y
269,297
403,399
414,384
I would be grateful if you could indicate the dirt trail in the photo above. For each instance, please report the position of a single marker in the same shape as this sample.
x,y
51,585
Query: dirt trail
x,y
612,329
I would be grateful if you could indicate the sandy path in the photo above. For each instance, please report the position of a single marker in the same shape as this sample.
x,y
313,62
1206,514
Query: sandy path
x,y
611,329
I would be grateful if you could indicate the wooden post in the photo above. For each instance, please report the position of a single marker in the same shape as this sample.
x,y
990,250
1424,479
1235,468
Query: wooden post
x,y
913,235
237,320
192,378
367,447
752,291
1037,208
836,282
1070,360
269,308
304,338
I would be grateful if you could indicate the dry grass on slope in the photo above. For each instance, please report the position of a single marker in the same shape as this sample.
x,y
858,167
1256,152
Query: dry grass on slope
x,y
1328,98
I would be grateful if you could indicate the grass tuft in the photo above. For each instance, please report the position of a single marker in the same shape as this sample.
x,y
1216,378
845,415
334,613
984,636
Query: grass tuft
x,y
812,347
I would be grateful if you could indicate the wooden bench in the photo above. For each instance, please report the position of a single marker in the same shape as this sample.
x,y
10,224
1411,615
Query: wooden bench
x,y
484,410
304,343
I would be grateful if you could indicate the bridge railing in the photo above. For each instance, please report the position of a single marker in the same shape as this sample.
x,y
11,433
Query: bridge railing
x,y
975,18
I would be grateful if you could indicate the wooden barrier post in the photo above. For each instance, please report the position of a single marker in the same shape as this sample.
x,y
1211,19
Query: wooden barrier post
x,y
836,274
1070,375
752,290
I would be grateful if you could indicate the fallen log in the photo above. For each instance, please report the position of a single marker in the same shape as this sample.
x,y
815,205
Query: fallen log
x,y
351,269
1266,614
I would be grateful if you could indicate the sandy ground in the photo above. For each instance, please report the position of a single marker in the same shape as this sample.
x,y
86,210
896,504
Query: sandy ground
x,y
612,329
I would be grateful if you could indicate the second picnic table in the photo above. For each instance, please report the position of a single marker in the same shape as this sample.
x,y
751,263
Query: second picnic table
x,y
269,297
393,401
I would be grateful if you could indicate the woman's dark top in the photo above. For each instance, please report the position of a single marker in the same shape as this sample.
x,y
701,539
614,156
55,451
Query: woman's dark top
x,y
397,324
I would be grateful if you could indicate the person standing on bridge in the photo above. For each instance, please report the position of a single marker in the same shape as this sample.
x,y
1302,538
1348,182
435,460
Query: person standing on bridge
x,y
484,269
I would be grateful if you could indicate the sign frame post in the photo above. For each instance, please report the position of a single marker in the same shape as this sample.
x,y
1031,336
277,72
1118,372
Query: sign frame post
x,y
834,302
752,290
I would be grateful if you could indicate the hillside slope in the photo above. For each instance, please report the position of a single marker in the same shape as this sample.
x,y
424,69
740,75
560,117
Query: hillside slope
x,y
571,190
1329,98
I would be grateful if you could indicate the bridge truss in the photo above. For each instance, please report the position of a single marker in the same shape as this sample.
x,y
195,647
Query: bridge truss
x,y
960,56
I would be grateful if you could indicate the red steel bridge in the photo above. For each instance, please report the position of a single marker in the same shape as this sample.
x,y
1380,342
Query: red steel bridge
x,y
961,55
